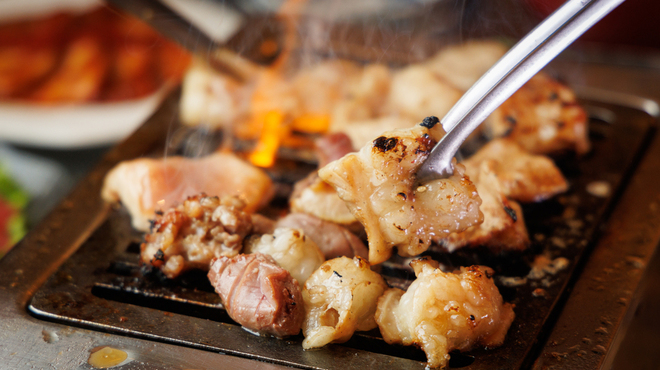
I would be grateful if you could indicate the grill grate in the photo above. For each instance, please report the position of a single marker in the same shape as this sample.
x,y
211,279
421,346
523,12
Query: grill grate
x,y
101,286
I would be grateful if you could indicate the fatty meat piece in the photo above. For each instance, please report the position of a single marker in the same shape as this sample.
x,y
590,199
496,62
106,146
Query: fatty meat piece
x,y
340,298
441,312
380,188
147,185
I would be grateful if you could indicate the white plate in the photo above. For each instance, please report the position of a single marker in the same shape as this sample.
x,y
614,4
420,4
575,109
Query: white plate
x,y
74,126
68,126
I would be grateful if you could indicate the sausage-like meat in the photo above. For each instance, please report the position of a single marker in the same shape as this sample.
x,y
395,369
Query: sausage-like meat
x,y
258,294
332,239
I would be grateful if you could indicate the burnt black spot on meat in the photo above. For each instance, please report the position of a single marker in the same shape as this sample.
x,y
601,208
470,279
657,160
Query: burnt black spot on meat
x,y
159,256
336,273
430,121
553,96
159,213
472,317
561,124
403,195
152,225
511,120
511,212
489,274
385,144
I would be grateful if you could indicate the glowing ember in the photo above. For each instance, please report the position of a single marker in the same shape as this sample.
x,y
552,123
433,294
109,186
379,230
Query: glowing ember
x,y
312,123
271,135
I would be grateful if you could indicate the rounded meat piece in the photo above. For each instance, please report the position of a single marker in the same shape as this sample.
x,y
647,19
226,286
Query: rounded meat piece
x,y
258,294
332,239
340,298
291,248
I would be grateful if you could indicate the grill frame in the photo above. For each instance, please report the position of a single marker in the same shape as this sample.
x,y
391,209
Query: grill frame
x,y
154,324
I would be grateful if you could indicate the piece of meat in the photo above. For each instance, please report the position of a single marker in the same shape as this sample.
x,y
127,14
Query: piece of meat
x,y
192,234
262,224
258,294
319,87
80,75
332,239
380,188
212,99
441,312
291,248
543,116
340,298
146,185
21,66
362,132
331,147
503,228
365,99
132,73
522,176
416,93
314,196
462,65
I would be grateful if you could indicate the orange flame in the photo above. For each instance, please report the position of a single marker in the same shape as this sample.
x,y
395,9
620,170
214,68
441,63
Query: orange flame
x,y
271,136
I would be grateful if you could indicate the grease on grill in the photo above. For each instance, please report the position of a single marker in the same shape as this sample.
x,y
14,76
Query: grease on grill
x,y
105,357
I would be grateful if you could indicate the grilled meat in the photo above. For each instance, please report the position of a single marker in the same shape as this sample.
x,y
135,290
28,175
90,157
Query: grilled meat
x,y
147,185
340,298
332,239
291,249
441,312
258,294
543,116
522,176
379,186
503,227
192,234
462,65
315,197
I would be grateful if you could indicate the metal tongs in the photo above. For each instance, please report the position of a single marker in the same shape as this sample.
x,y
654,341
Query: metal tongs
x,y
513,70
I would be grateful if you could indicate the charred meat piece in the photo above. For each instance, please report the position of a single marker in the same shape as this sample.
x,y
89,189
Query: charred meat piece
x,y
543,116
340,298
258,294
291,249
192,234
442,312
333,239
522,176
146,185
380,188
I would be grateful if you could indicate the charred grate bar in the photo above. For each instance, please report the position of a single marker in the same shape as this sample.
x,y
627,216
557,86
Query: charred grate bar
x,y
101,286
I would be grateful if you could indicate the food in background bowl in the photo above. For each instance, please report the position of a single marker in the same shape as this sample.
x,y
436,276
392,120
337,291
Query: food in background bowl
x,y
99,55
